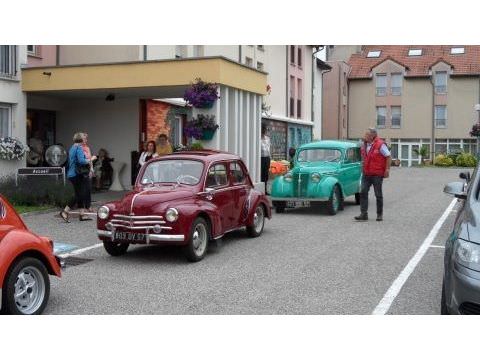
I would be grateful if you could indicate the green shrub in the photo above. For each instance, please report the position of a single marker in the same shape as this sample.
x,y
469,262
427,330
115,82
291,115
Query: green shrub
x,y
466,160
196,146
36,191
443,160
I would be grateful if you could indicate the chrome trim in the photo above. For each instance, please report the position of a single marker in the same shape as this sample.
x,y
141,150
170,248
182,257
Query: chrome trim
x,y
140,227
138,217
299,199
126,222
148,237
228,231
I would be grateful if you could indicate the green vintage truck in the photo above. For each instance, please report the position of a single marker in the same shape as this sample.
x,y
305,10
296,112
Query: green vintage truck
x,y
324,172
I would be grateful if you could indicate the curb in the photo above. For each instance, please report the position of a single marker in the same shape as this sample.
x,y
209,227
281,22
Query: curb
x,y
39,212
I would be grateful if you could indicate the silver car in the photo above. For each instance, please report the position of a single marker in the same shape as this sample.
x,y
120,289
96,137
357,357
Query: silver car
x,y
461,279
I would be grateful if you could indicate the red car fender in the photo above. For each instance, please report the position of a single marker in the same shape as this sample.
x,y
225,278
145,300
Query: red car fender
x,y
188,214
257,199
16,242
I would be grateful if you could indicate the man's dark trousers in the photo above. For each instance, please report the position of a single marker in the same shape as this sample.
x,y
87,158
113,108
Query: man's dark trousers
x,y
377,182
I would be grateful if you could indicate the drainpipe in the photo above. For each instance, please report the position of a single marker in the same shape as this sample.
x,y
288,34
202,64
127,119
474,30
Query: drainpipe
x,y
432,145
348,100
287,82
240,54
314,63
323,73
145,57
339,101
57,55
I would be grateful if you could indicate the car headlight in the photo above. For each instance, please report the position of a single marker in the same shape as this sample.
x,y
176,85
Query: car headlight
x,y
316,177
103,212
467,254
171,215
288,177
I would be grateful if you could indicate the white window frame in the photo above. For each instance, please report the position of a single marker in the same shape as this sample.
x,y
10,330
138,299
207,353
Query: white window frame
x,y
380,90
248,61
441,89
260,66
445,118
457,50
374,54
377,117
9,119
396,90
400,118
33,52
415,52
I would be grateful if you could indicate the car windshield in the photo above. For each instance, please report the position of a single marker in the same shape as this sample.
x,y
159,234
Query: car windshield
x,y
313,155
186,172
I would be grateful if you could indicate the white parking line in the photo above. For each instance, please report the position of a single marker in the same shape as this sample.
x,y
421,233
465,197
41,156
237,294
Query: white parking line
x,y
80,251
437,246
384,304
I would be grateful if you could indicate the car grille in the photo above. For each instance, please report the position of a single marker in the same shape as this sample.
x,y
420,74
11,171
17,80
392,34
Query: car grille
x,y
300,182
468,308
138,222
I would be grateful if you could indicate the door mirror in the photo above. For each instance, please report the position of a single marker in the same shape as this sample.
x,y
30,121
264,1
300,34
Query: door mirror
x,y
208,193
465,176
457,189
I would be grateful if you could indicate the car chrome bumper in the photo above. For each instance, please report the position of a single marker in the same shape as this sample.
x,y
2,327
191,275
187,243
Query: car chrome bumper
x,y
149,237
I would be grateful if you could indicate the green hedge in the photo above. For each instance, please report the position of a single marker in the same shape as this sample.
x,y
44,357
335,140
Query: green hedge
x,y
36,191
466,160
443,160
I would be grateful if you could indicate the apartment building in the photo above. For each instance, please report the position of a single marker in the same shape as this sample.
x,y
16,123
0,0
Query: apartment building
x,y
12,100
416,95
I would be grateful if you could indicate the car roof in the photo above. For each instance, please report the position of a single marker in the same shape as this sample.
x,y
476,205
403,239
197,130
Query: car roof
x,y
203,155
330,144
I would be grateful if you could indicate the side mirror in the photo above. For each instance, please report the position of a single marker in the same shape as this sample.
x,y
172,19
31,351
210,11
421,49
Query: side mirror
x,y
457,189
208,193
465,176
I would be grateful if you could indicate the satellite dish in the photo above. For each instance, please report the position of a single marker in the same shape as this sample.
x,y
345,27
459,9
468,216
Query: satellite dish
x,y
56,155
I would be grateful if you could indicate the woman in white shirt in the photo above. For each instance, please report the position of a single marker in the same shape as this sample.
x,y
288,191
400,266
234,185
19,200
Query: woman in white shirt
x,y
265,157
151,153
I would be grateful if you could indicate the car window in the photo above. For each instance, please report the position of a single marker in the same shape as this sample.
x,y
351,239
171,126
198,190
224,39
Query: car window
x,y
313,155
186,172
216,176
353,155
238,175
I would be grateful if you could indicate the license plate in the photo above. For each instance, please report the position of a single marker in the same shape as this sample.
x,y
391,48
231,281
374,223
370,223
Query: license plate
x,y
298,203
129,236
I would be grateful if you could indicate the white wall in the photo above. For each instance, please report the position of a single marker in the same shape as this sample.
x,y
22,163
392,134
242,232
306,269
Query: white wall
x,y
276,66
11,94
110,125
160,52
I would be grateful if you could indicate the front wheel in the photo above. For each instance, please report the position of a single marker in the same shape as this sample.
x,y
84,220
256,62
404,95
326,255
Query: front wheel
x,y
197,246
256,228
27,288
335,201
115,249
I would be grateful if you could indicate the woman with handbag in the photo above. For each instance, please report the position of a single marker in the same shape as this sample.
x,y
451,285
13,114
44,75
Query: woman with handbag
x,y
78,174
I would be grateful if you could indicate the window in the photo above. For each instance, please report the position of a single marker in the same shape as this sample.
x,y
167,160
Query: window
x,y
353,155
440,116
8,61
374,54
5,120
381,115
441,82
299,57
198,50
260,47
381,84
299,98
180,51
396,116
217,176
238,175
292,96
457,50
396,86
259,66
415,52
292,54
248,61
32,50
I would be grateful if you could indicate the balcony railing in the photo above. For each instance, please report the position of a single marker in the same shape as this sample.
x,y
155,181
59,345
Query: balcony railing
x,y
8,61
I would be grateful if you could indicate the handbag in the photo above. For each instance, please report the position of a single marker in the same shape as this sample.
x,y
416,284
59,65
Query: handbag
x,y
82,169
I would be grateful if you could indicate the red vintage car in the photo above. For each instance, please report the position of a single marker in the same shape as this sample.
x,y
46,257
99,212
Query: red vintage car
x,y
26,260
189,199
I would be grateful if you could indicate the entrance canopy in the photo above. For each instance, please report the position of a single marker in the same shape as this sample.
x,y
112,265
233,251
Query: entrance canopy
x,y
143,78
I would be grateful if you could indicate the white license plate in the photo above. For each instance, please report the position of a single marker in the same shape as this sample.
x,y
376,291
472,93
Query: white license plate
x,y
129,236
298,203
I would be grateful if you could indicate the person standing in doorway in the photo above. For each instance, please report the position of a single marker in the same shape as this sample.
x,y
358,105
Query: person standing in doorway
x,y
265,156
376,167
163,146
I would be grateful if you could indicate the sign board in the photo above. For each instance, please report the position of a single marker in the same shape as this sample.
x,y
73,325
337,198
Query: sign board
x,y
40,171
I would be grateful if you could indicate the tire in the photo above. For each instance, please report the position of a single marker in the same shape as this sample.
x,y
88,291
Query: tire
x,y
443,301
115,249
335,201
280,207
357,199
27,288
256,229
200,236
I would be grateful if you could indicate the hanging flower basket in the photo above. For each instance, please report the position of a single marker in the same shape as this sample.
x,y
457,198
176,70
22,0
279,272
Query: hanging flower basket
x,y
202,127
201,94
12,149
475,132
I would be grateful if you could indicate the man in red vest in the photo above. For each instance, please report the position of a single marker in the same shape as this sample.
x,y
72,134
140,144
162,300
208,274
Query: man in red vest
x,y
376,166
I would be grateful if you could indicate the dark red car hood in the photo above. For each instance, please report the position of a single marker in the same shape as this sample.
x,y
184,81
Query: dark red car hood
x,y
144,201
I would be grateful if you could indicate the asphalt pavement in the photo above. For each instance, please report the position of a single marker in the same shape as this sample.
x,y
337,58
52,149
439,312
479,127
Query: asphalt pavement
x,y
306,262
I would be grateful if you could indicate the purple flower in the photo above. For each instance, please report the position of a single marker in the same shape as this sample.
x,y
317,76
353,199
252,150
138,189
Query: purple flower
x,y
201,94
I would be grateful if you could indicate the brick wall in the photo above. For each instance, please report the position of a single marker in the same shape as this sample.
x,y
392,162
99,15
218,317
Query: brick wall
x,y
156,119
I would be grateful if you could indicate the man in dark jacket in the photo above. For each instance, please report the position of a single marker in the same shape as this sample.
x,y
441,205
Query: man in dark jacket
x,y
376,166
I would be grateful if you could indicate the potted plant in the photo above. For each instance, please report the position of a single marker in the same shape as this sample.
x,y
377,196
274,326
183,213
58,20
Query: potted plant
x,y
475,132
12,149
201,94
423,153
202,127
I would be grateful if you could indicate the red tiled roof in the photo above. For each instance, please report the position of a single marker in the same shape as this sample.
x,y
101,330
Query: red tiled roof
x,y
462,64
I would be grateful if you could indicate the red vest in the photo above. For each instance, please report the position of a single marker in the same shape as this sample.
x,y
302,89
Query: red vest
x,y
374,163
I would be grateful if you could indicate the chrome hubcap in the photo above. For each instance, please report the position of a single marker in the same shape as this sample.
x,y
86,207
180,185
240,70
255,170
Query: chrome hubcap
x,y
258,219
29,290
199,239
